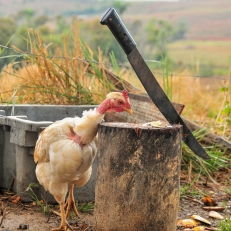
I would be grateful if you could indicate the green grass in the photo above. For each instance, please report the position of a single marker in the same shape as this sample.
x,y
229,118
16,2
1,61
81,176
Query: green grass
x,y
196,165
225,225
85,207
189,190
44,207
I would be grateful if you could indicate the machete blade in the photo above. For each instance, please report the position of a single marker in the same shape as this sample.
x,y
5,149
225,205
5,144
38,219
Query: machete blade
x,y
152,87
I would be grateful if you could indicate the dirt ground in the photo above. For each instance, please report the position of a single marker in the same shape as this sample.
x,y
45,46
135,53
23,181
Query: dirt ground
x,y
190,206
15,215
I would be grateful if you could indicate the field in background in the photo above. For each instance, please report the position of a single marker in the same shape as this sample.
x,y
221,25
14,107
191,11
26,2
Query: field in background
x,y
205,19
206,48
208,51
212,56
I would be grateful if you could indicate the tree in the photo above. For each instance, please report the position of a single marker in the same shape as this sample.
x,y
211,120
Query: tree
x,y
97,35
25,15
159,33
181,29
41,20
120,7
7,28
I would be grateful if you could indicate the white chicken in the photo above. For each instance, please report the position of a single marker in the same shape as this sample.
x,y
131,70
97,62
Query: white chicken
x,y
65,151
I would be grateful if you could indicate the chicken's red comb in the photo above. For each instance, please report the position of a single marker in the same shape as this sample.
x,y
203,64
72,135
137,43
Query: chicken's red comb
x,y
125,94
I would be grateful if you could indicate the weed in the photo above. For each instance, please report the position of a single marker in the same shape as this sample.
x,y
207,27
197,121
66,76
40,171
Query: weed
x,y
225,107
42,204
167,78
192,163
85,207
227,190
225,225
189,190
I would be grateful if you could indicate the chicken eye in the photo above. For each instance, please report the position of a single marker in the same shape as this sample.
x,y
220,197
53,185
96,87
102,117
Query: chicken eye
x,y
120,102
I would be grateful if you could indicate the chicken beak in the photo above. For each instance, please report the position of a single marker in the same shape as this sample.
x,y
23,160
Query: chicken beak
x,y
128,110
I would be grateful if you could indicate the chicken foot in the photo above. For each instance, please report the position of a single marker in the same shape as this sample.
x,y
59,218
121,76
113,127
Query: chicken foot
x,y
71,202
64,224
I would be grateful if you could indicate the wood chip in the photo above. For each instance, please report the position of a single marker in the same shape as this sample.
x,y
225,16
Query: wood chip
x,y
155,124
201,219
199,228
214,208
194,200
187,223
216,215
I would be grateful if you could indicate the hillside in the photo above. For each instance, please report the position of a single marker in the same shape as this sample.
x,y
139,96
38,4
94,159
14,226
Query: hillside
x,y
205,19
204,49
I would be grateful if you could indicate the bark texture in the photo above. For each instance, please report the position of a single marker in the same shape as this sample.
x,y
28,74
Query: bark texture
x,y
138,177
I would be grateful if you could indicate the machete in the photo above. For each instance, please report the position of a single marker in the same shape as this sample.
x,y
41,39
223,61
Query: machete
x,y
154,90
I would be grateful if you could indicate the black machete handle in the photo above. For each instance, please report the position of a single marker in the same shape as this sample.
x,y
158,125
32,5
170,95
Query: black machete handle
x,y
118,29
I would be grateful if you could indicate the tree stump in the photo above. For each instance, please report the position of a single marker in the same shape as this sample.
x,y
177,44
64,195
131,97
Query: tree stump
x,y
138,177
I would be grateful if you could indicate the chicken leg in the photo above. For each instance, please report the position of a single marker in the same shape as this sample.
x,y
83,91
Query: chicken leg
x,y
63,226
71,202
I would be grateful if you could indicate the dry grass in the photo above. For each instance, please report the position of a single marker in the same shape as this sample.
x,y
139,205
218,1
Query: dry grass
x,y
204,101
62,78
55,75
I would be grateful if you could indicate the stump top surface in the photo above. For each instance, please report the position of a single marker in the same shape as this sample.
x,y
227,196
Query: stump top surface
x,y
145,126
